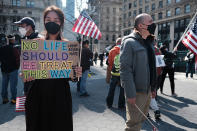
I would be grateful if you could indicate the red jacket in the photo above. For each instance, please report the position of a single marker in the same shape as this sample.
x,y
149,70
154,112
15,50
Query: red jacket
x,y
113,52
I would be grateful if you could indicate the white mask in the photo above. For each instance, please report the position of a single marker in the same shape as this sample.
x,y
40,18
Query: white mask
x,y
23,31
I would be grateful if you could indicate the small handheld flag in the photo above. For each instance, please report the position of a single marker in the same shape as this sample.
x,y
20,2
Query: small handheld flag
x,y
20,104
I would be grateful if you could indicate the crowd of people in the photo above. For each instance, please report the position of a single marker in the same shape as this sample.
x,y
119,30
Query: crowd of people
x,y
131,65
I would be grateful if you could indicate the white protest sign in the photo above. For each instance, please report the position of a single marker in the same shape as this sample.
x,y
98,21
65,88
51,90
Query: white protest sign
x,y
159,61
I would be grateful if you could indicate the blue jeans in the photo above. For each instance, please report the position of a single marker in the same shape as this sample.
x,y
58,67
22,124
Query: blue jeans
x,y
190,69
115,81
13,78
83,82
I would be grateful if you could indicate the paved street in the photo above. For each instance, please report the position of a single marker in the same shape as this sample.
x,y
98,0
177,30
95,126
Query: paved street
x,y
91,114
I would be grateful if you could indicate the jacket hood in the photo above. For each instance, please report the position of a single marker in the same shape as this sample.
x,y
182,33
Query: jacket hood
x,y
116,49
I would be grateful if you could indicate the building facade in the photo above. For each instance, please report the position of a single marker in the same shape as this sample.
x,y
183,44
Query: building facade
x,y
171,17
13,10
107,16
69,12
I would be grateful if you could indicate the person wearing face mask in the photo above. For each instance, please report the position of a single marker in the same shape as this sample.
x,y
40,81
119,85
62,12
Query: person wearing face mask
x,y
27,28
27,31
138,70
48,105
10,62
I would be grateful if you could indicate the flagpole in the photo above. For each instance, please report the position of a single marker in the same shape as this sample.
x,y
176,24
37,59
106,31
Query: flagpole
x,y
189,25
81,42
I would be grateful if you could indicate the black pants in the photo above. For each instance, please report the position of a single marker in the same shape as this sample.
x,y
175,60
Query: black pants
x,y
101,63
27,86
115,80
170,72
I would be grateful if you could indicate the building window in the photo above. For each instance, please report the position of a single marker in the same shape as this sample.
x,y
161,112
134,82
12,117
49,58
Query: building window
x,y
125,16
107,37
177,24
15,11
140,10
168,13
187,20
16,2
30,3
147,9
114,27
146,1
107,28
134,13
182,23
187,8
177,11
160,15
130,5
113,37
153,17
129,23
168,2
177,1
160,4
153,6
125,7
124,25
129,14
135,3
114,10
29,12
14,27
140,2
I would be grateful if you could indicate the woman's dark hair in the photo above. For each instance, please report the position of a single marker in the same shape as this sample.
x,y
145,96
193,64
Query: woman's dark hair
x,y
60,14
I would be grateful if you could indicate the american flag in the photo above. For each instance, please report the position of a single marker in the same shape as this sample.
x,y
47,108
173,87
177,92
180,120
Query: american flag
x,y
20,104
85,25
190,39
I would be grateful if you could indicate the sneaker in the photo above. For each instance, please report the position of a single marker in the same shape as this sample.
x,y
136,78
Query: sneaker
x,y
85,94
13,101
174,95
5,100
148,116
157,114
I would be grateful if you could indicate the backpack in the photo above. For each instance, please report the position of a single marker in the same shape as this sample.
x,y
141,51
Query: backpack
x,y
116,66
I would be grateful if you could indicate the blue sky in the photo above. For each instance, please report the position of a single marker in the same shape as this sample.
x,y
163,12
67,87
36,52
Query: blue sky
x,y
84,5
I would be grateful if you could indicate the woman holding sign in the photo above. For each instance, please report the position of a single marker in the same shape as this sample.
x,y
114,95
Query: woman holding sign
x,y
49,104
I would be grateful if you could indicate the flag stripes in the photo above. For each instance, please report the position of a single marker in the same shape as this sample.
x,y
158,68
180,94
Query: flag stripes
x,y
20,104
190,39
85,25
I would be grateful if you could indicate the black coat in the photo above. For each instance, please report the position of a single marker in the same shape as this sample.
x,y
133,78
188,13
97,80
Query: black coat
x,y
9,58
32,36
86,58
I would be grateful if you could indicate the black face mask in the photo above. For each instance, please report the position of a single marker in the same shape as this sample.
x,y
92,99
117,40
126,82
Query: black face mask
x,y
151,28
52,27
150,38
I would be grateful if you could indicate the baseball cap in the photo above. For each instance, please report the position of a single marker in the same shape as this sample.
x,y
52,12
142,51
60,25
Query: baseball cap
x,y
118,41
26,20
